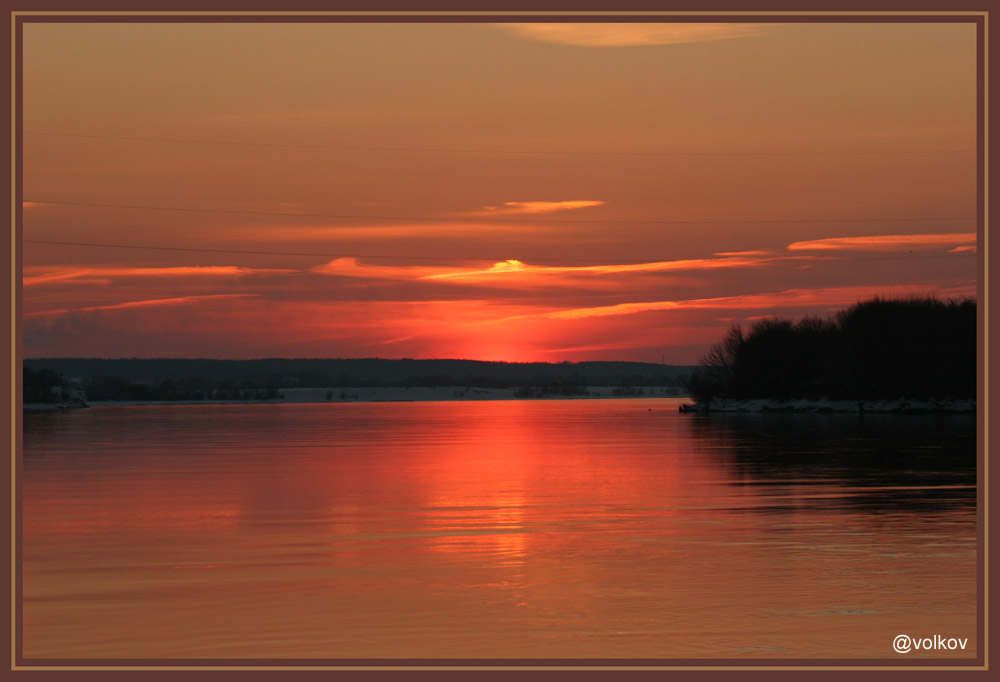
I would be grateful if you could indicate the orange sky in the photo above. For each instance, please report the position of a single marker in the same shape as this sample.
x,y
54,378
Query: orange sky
x,y
485,191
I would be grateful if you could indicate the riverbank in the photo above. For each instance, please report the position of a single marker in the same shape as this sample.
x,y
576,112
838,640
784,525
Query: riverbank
x,y
53,407
899,405
388,394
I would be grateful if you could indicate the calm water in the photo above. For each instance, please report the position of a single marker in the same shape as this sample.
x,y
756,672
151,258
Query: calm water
x,y
507,529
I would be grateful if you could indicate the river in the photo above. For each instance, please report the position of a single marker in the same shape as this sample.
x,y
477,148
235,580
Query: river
x,y
547,529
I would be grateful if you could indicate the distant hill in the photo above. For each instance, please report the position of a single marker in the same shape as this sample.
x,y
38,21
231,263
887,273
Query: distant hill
x,y
364,372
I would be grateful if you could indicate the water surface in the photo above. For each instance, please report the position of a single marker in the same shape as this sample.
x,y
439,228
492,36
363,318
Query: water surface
x,y
508,529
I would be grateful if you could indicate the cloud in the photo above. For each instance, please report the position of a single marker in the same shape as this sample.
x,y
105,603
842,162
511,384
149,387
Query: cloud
x,y
790,298
743,253
102,275
329,233
590,348
533,207
58,276
629,35
885,242
517,268
350,267
155,302
512,270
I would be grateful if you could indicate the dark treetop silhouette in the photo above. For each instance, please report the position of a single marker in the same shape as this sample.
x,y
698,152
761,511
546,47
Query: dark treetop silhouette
x,y
877,349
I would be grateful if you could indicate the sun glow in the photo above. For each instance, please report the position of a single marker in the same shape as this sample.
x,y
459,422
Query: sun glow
x,y
536,197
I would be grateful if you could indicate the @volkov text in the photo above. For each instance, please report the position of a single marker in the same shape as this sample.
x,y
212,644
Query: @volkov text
x,y
904,644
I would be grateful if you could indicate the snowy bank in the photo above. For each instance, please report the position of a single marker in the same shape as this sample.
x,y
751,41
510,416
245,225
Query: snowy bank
x,y
899,405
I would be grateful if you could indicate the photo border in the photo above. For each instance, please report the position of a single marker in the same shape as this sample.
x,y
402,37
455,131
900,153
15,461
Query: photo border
x,y
18,662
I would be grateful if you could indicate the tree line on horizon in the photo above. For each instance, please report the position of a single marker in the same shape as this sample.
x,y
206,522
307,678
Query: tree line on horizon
x,y
877,349
48,380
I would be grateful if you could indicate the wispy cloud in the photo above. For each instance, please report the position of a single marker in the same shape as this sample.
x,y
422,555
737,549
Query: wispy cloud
x,y
613,345
885,242
744,253
155,302
350,267
790,298
628,35
517,268
62,275
103,275
284,234
532,207
514,270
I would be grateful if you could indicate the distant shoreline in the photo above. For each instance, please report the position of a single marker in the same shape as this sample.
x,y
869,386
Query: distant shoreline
x,y
465,393
385,394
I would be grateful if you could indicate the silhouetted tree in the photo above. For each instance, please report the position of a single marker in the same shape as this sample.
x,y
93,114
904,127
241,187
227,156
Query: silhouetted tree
x,y
881,348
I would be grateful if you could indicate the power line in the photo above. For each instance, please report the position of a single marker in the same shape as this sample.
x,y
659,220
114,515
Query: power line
x,y
499,220
436,150
774,258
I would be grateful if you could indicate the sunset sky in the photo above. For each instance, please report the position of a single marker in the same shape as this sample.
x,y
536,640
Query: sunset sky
x,y
519,192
